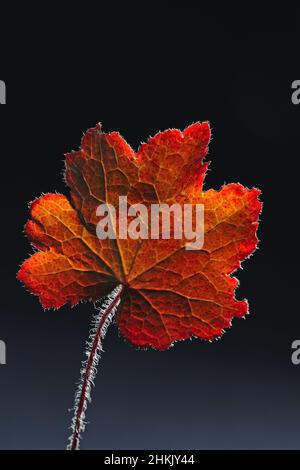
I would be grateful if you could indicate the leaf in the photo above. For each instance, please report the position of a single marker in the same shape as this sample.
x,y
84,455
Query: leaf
x,y
171,293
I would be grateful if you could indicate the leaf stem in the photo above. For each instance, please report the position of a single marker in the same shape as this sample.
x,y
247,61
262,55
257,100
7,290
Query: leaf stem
x,y
101,321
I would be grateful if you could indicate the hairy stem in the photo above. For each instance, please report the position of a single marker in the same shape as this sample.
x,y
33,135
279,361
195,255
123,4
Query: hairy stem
x,y
88,372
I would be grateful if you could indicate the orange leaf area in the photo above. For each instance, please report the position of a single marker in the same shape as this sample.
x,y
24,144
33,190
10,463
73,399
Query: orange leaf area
x,y
171,293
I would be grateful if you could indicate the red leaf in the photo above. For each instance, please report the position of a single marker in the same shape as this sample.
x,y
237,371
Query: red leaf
x,y
171,293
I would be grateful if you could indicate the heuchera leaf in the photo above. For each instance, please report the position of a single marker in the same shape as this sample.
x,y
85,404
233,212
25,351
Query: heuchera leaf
x,y
171,293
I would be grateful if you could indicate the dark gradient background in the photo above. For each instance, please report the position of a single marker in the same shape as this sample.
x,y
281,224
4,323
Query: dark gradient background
x,y
139,71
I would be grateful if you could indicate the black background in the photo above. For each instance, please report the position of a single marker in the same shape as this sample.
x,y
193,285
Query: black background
x,y
139,70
